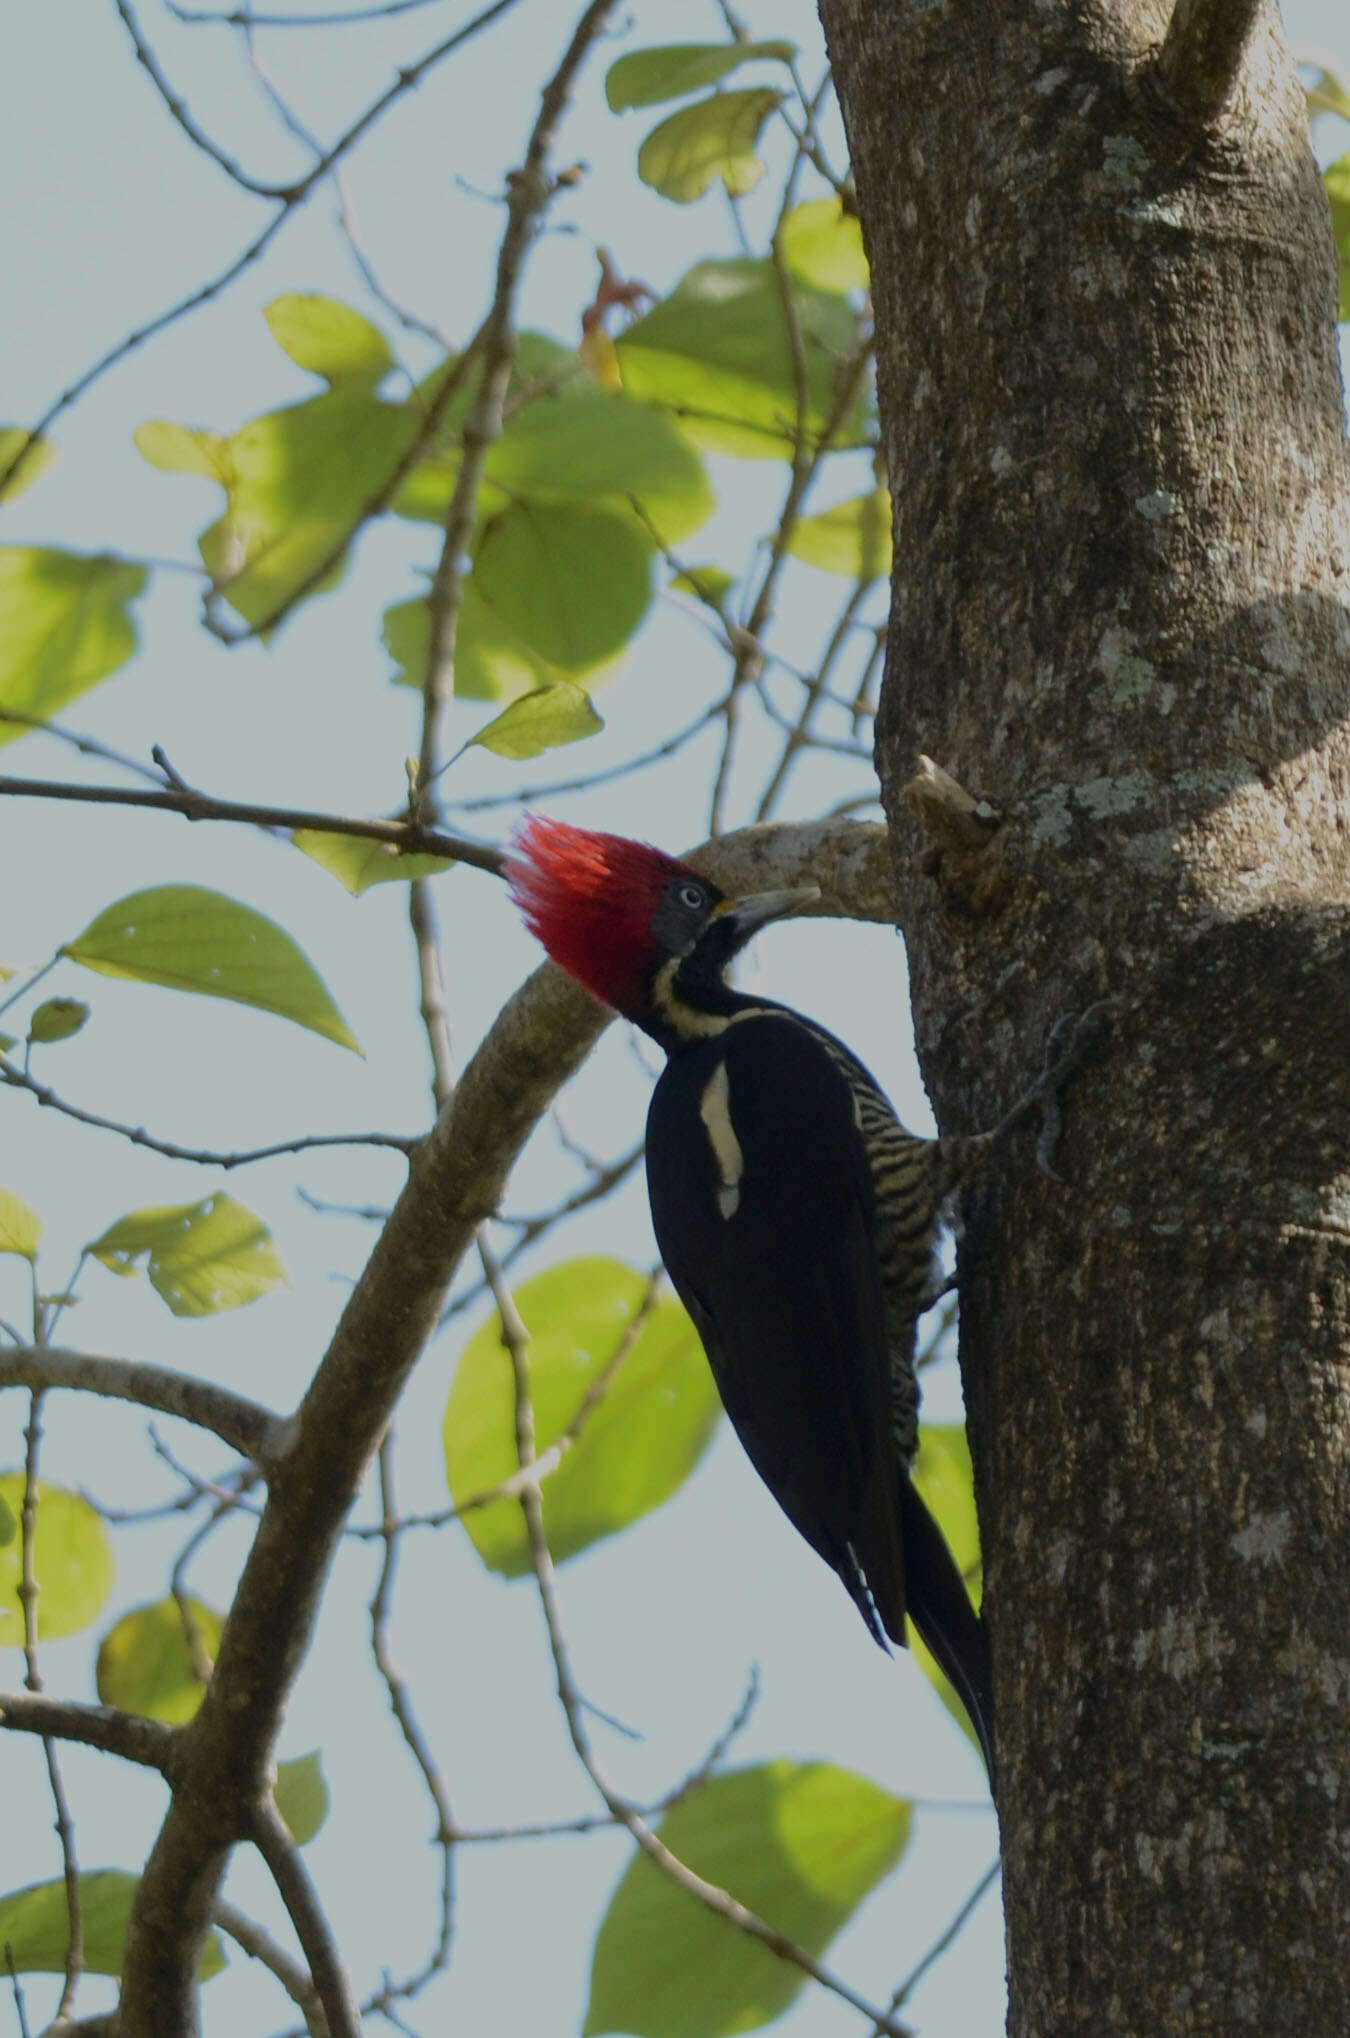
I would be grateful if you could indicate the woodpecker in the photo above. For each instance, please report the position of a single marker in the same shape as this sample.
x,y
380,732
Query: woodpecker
x,y
797,1218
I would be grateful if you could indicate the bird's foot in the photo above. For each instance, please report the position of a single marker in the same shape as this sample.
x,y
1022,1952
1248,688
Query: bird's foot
x,y
1069,1046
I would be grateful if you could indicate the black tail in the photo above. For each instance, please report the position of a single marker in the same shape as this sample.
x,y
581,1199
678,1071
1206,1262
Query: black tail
x,y
940,1608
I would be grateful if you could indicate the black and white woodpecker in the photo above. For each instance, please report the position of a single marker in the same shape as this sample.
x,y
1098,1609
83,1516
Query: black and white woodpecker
x,y
797,1218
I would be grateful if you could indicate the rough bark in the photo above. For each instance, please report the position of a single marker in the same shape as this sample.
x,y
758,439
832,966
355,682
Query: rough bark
x,y
1113,421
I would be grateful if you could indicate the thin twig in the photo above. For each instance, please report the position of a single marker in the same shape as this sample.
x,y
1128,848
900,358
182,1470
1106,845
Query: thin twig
x,y
289,200
408,836
944,1939
28,1593
400,1704
250,1937
528,192
208,1157
719,1901
271,1837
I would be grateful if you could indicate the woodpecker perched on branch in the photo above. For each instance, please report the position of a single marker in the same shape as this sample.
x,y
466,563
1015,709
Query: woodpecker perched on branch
x,y
797,1218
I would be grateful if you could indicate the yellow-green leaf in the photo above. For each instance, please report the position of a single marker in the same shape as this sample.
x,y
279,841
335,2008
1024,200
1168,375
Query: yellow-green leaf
x,y
182,449
358,863
709,584
38,457
715,137
65,624
9,1522
56,1019
20,1227
1336,178
72,1561
800,1843
551,716
573,580
646,77
823,245
717,352
638,1444
853,537
150,1663
302,1796
35,1925
329,338
201,1257
944,1477
191,939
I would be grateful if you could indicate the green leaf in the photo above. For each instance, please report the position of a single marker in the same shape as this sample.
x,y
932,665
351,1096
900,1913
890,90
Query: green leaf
x,y
646,77
716,137
1326,92
35,1926
65,624
297,482
329,338
574,581
708,584
943,1475
552,715
72,1561
716,352
147,1663
9,1522
358,863
823,245
638,1445
56,1019
20,1227
36,460
490,661
853,538
597,445
202,1257
183,449
302,1796
800,1843
191,939
1336,178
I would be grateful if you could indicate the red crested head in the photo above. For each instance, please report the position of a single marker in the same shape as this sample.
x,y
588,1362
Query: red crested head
x,y
591,900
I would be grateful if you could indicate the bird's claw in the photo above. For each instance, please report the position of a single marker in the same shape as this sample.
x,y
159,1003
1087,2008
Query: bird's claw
x,y
1065,1052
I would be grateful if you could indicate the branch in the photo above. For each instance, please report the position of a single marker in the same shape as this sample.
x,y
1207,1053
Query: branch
x,y
272,1838
94,1726
250,1937
407,836
255,1432
528,192
1202,54
19,1079
455,1182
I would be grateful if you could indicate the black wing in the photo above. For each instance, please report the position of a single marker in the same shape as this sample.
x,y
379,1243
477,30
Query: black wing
x,y
762,1203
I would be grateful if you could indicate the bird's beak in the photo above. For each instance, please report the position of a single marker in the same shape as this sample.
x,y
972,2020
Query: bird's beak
x,y
754,911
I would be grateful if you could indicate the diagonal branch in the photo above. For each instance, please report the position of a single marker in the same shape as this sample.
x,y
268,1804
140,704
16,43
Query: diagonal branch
x,y
255,1432
407,836
1202,54
455,1182
94,1726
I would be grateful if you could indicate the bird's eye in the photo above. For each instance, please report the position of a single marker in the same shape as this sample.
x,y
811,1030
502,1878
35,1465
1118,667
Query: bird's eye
x,y
691,896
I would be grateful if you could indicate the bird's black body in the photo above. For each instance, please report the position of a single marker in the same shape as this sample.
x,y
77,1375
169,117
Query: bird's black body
x,y
784,1272
797,1219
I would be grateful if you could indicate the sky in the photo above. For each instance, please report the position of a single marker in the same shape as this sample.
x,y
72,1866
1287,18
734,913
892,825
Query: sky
x,y
118,218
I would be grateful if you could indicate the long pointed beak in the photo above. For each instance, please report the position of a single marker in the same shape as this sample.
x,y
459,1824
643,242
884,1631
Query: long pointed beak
x,y
754,911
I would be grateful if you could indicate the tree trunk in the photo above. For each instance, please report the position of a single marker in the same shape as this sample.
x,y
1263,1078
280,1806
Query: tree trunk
x,y
1112,415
